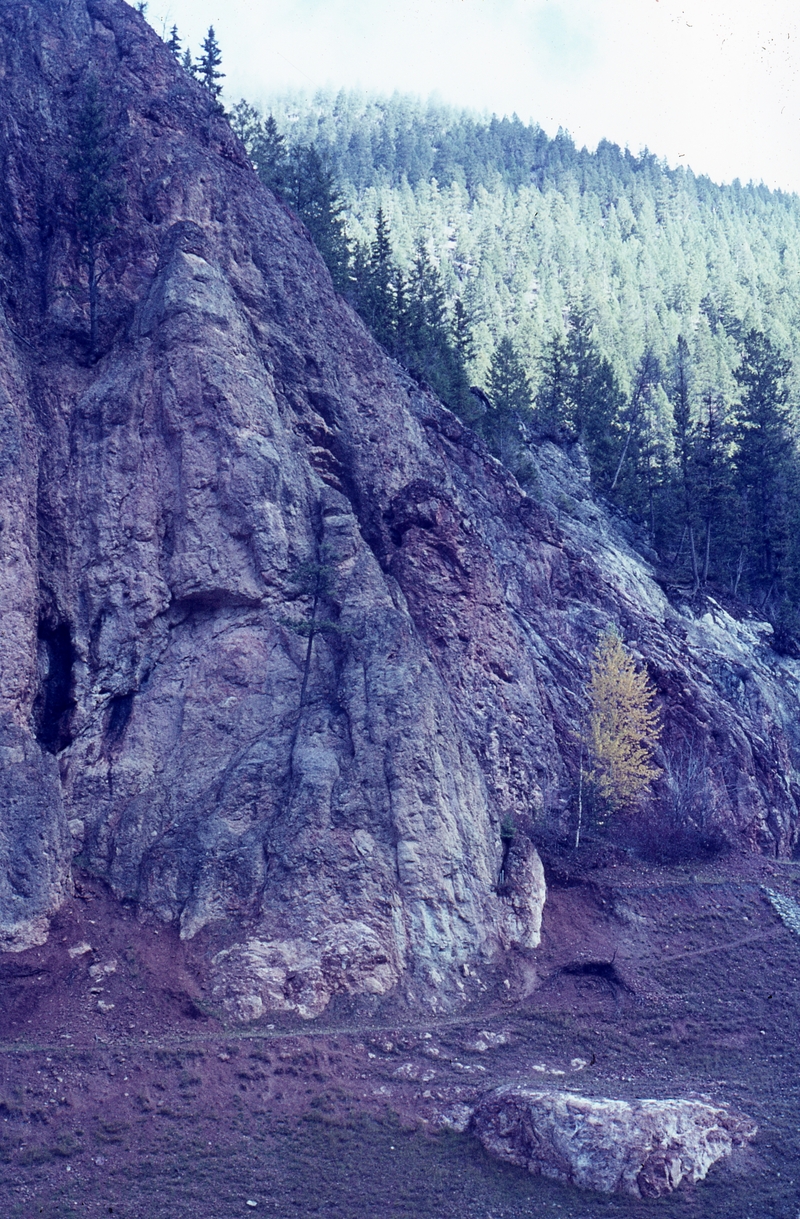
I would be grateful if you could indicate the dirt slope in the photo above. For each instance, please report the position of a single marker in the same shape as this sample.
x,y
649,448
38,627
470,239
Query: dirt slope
x,y
654,982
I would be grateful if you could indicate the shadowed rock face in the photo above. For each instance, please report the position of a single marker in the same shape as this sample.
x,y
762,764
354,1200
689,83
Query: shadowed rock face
x,y
645,1148
162,507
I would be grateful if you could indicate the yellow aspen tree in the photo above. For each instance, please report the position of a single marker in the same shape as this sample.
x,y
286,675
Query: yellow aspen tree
x,y
624,724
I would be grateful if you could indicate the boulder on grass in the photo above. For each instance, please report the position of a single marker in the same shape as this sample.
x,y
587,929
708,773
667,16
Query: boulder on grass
x,y
644,1148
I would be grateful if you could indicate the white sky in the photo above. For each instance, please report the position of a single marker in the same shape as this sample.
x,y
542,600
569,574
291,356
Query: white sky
x,y
705,83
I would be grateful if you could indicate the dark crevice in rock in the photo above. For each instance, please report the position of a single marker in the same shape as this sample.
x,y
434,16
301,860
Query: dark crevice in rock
x,y
212,599
54,703
12,972
119,713
169,533
502,876
364,511
415,507
326,405
366,517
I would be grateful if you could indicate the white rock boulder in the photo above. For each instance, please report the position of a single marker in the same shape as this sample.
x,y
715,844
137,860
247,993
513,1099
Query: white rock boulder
x,y
645,1148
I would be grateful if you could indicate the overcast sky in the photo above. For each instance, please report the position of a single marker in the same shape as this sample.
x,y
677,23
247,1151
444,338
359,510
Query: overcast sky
x,y
705,83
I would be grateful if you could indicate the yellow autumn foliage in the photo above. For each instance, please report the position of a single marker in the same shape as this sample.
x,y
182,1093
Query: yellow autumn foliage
x,y
624,724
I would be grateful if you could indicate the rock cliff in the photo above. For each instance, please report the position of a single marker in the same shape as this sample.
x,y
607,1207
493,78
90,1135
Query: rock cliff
x,y
240,459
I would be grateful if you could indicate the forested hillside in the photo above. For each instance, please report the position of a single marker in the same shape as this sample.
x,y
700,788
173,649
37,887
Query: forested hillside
x,y
525,227
592,295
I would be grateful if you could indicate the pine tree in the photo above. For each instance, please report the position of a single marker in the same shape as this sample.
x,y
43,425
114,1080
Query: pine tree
x,y
595,400
763,452
403,339
411,317
624,725
463,335
631,481
270,157
312,192
381,249
508,389
91,162
552,397
713,486
427,306
246,124
376,288
208,67
188,63
685,490
265,145
174,42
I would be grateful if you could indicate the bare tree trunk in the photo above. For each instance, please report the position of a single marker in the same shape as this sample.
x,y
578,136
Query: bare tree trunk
x,y
679,551
739,571
634,415
695,574
580,796
707,559
652,511
623,455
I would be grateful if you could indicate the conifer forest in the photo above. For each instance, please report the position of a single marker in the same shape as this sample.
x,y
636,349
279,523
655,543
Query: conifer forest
x,y
546,291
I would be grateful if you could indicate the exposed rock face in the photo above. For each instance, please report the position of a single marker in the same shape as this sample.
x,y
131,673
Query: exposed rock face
x,y
645,1148
301,976
523,886
237,424
158,507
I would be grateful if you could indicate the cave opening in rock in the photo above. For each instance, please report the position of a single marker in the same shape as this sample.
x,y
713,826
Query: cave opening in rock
x,y
119,712
54,702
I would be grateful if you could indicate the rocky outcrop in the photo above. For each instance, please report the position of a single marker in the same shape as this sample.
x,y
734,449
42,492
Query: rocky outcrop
x,y
237,427
302,976
323,819
645,1148
523,887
